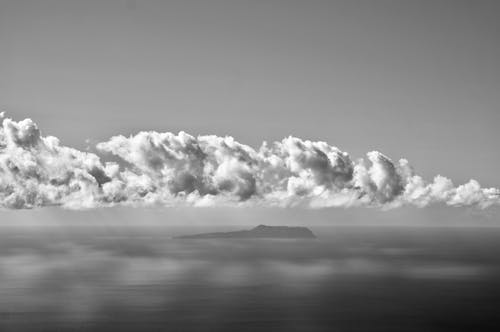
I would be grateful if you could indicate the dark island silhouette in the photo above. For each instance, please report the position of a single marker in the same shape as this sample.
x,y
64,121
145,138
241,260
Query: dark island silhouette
x,y
259,232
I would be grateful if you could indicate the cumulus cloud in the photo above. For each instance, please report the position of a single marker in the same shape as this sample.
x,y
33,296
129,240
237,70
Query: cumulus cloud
x,y
169,169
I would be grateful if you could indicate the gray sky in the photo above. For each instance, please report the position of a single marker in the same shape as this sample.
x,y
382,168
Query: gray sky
x,y
413,79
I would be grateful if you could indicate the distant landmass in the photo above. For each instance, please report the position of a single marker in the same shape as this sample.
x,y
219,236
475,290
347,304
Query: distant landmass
x,y
259,232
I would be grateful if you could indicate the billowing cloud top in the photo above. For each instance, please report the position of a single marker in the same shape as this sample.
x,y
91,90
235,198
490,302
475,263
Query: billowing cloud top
x,y
168,169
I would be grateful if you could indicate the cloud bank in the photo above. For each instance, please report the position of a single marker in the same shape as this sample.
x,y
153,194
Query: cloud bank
x,y
171,170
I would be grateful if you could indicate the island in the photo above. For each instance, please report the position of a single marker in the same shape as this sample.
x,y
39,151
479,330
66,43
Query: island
x,y
259,232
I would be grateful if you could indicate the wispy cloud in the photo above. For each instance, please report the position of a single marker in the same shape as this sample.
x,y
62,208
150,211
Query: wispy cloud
x,y
180,169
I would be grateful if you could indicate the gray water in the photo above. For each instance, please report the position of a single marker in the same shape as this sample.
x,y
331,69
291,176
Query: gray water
x,y
350,279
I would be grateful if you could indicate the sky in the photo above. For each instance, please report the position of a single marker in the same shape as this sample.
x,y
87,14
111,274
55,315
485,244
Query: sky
x,y
412,79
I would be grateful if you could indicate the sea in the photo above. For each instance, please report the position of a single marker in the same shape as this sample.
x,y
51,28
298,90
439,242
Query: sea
x,y
351,278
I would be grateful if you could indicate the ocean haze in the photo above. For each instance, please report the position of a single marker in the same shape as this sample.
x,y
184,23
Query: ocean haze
x,y
205,218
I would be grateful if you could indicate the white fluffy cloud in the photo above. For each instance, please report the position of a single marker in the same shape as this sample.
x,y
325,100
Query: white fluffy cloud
x,y
168,169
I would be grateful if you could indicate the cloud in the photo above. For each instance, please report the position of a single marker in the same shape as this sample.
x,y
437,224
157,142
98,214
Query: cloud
x,y
170,170
38,171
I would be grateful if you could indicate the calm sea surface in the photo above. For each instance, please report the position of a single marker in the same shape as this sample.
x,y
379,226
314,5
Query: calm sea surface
x,y
350,279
